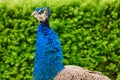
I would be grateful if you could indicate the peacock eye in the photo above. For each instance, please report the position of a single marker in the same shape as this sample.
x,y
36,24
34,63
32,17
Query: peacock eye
x,y
40,12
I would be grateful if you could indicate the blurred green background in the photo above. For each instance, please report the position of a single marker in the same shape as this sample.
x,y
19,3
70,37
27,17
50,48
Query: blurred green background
x,y
88,29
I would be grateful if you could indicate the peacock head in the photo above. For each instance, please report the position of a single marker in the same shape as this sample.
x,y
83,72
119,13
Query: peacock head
x,y
41,14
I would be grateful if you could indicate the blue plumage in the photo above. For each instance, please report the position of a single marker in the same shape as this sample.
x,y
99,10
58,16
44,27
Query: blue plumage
x,y
48,57
37,9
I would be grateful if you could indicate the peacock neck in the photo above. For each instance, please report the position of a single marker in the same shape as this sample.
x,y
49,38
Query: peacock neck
x,y
46,22
48,57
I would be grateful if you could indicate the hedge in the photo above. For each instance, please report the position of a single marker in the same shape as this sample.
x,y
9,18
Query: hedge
x,y
89,31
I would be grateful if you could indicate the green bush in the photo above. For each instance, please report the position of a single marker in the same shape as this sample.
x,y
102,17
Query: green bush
x,y
89,32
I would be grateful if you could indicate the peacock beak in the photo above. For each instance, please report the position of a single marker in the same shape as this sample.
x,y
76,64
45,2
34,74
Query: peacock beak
x,y
33,13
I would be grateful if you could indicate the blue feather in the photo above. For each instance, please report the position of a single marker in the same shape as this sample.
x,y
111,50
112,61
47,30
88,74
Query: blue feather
x,y
37,9
48,57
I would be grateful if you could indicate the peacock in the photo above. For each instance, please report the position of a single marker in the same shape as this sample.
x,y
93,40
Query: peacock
x,y
48,57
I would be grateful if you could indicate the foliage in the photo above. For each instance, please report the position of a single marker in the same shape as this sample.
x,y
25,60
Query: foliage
x,y
89,32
